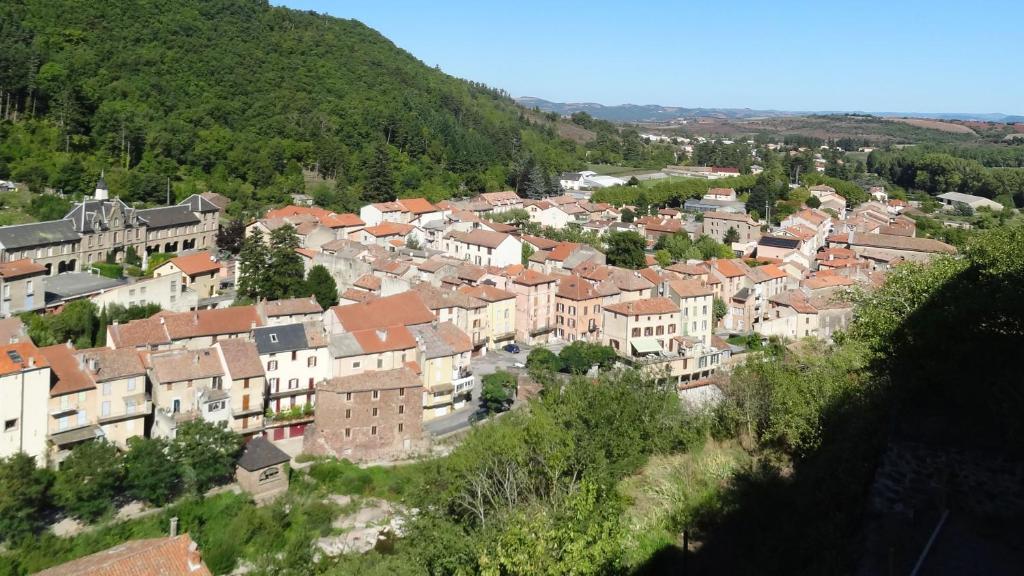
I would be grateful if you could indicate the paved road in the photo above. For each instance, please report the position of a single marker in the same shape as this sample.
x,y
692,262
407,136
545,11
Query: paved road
x,y
494,361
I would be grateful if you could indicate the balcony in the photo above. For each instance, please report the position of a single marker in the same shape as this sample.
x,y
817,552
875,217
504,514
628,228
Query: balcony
x,y
503,336
541,330
61,412
133,411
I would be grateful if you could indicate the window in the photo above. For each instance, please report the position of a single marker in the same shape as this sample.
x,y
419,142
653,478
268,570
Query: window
x,y
376,411
376,394
636,332
273,338
348,413
271,365
348,432
10,425
295,355
401,427
373,430
293,383
380,363
660,330
311,361
106,388
671,328
245,383
105,408
648,331
28,288
401,408
401,392
355,365
131,384
348,397
274,383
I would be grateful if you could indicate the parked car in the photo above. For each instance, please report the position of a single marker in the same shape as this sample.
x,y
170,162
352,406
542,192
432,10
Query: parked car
x,y
513,348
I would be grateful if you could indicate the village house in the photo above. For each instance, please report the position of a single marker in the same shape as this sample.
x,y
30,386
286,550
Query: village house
x,y
167,291
186,385
194,330
368,417
816,220
467,313
244,383
578,310
21,286
414,211
502,201
535,305
883,248
386,233
718,224
260,470
443,362
294,358
829,198
200,272
24,412
641,326
500,313
484,248
696,306
290,310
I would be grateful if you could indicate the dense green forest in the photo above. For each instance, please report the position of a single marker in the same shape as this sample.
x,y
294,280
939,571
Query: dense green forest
x,y
240,97
991,171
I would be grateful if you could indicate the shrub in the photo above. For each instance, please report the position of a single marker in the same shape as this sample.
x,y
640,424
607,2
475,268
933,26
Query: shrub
x,y
108,270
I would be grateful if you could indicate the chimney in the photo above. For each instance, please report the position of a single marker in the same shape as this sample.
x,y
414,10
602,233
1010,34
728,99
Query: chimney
x,y
195,560
161,320
31,361
174,527
69,344
849,234
382,335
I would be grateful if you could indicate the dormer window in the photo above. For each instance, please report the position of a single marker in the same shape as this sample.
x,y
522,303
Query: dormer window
x,y
273,338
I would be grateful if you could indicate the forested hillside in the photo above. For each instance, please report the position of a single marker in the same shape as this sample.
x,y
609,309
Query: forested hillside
x,y
240,97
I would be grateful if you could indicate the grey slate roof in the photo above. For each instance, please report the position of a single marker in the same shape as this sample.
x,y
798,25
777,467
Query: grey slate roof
x,y
430,341
344,346
99,211
197,203
288,337
168,216
37,234
260,453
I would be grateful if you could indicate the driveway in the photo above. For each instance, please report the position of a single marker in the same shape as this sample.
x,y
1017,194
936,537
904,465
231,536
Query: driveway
x,y
494,361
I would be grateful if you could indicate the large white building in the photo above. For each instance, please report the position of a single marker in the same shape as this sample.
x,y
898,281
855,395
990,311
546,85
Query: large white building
x,y
24,397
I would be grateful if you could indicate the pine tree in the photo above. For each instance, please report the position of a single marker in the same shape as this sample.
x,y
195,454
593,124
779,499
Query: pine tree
x,y
254,260
380,179
285,271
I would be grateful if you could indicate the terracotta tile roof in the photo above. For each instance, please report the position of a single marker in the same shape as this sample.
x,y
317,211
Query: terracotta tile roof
x,y
389,229
150,557
25,352
137,333
745,218
372,380
404,309
368,282
643,307
487,293
727,268
70,376
325,217
180,365
388,339
651,275
689,288
316,335
357,295
195,264
801,231
241,357
292,306
307,252
766,273
111,364
417,205
814,216
629,280
563,250
18,268
894,243
833,253
478,237
667,225
721,192
213,322
436,299
470,272
576,288
688,269
414,366
503,198
388,206
563,199
454,337
12,330
826,281
532,278
435,263
499,227
538,242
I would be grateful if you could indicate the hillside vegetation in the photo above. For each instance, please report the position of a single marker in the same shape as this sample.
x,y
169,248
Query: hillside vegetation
x,y
239,96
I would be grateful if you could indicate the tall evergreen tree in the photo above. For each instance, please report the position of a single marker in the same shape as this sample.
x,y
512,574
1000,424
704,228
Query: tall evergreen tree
x,y
285,271
380,178
253,263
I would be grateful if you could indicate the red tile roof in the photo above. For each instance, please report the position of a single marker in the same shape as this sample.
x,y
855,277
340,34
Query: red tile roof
x,y
372,380
387,339
689,288
196,264
487,293
417,205
18,268
404,309
150,557
643,307
368,282
213,322
70,376
292,307
532,278
539,243
563,250
478,237
576,288
27,351
241,357
389,229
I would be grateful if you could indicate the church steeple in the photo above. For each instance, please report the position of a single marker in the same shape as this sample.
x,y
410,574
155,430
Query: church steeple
x,y
102,192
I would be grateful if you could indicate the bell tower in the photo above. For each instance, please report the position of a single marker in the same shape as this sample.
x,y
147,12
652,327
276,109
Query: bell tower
x,y
102,192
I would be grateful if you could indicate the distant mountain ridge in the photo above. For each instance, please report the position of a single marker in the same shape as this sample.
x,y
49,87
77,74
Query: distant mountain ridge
x,y
659,113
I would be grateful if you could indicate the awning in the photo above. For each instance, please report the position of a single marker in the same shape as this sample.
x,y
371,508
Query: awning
x,y
646,345
76,435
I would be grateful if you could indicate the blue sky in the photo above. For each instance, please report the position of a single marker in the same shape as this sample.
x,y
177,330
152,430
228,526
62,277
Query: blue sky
x,y
897,55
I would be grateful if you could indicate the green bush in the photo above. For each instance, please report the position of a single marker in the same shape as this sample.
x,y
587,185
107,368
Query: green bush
x,y
108,270
133,271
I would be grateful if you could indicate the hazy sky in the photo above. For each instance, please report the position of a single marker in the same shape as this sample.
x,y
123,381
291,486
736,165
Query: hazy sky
x,y
896,55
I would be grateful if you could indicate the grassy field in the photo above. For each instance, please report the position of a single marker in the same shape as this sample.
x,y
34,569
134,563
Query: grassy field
x,y
650,183
612,170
